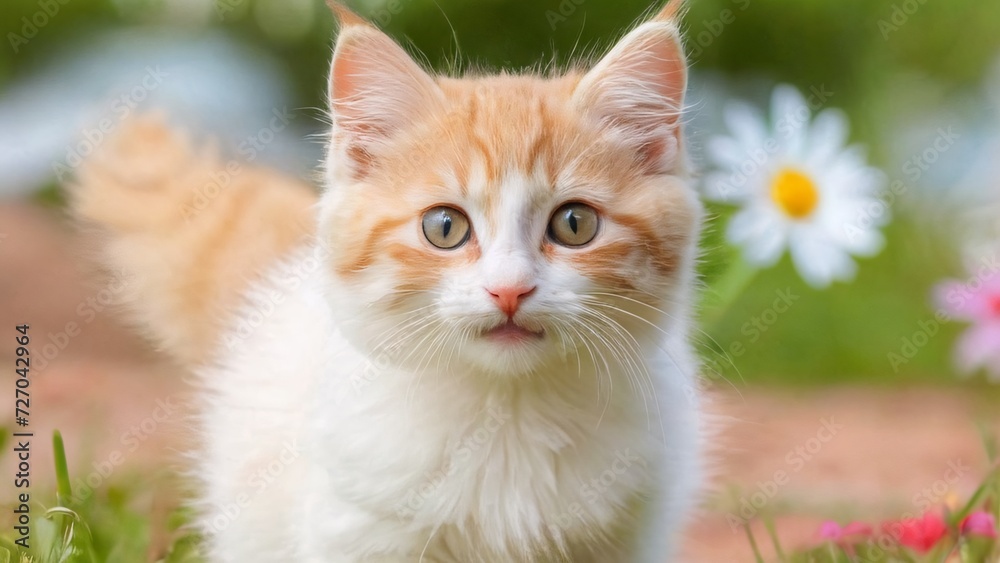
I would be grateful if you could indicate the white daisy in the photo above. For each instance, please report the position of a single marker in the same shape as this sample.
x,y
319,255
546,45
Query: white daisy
x,y
799,187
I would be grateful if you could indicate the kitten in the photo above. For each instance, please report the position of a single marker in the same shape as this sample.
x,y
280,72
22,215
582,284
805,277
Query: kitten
x,y
478,349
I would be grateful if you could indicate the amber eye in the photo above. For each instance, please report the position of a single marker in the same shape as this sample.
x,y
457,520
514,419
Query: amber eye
x,y
574,224
446,227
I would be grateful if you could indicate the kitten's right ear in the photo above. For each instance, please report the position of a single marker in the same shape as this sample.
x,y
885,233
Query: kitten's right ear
x,y
375,89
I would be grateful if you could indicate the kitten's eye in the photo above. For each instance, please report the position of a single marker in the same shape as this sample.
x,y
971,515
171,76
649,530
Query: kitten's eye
x,y
446,227
574,224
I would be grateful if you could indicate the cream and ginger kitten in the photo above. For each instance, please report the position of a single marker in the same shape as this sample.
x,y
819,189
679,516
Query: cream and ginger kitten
x,y
474,348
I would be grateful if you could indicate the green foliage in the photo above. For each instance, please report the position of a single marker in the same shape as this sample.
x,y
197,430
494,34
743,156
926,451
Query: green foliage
x,y
104,527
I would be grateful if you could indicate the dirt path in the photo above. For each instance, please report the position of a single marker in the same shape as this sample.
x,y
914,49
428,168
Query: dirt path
x,y
841,452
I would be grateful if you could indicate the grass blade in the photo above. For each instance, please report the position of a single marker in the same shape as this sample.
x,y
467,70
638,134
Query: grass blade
x,y
974,500
753,543
769,524
63,490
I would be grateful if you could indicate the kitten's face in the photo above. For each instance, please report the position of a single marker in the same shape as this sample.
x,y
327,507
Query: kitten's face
x,y
512,222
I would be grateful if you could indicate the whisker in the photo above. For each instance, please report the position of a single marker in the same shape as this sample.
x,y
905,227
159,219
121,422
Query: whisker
x,y
653,325
607,369
636,366
408,320
633,367
724,353
433,332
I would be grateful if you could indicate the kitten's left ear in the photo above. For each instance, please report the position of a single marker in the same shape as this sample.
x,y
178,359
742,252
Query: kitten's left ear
x,y
637,90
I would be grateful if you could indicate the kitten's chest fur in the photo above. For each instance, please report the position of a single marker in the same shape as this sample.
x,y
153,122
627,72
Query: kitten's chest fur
x,y
491,470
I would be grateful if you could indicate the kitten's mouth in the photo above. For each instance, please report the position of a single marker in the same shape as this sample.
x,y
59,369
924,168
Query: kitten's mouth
x,y
512,332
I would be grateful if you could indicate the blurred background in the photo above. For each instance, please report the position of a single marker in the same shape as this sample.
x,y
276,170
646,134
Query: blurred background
x,y
906,72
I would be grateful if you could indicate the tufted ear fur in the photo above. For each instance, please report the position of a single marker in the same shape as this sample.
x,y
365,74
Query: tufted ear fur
x,y
375,89
637,90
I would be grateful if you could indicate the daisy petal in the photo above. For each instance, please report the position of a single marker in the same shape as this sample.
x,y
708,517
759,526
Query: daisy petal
x,y
723,187
853,230
790,119
761,235
827,136
726,152
866,243
786,101
819,262
747,124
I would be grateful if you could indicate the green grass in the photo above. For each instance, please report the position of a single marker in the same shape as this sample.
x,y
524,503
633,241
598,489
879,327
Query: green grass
x,y
113,524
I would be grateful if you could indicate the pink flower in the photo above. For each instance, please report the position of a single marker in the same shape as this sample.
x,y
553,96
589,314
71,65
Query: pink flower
x,y
831,530
845,536
977,301
919,534
850,533
979,524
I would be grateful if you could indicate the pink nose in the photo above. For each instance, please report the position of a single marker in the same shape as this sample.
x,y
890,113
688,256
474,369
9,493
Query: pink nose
x,y
508,298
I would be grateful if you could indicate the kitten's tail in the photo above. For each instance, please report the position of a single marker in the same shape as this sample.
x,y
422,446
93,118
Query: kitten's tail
x,y
184,231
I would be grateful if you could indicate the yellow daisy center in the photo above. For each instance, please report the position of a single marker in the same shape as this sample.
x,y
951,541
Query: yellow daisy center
x,y
795,193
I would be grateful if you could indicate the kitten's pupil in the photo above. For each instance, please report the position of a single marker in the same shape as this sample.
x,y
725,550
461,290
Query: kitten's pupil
x,y
446,225
571,217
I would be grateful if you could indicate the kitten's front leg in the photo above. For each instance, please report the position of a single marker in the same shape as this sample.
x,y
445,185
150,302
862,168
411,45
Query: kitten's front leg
x,y
668,514
669,510
657,540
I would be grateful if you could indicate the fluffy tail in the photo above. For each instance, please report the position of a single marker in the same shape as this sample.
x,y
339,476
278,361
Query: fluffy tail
x,y
184,230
